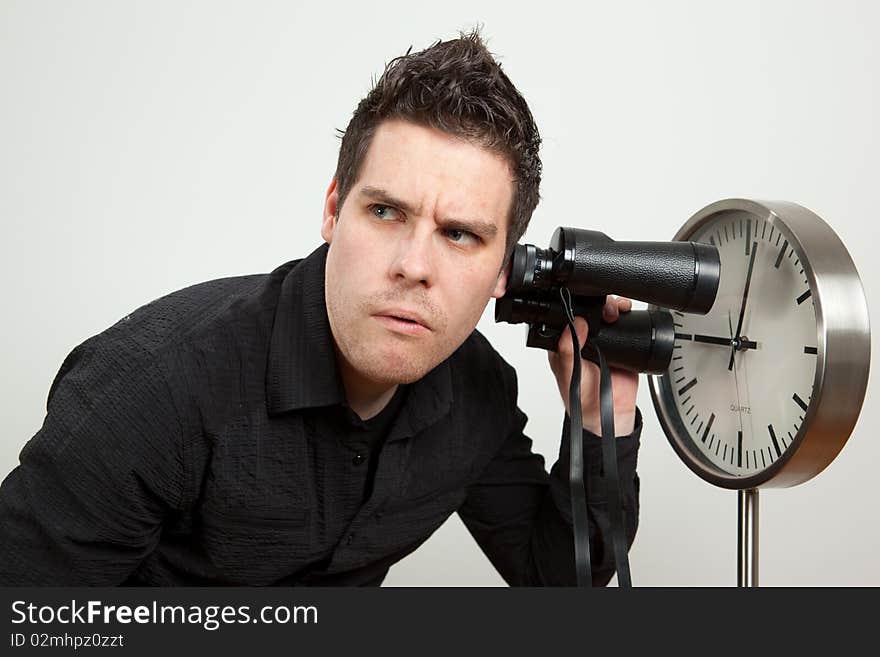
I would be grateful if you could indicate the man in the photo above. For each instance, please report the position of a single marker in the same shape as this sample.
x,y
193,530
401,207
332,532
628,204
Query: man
x,y
316,424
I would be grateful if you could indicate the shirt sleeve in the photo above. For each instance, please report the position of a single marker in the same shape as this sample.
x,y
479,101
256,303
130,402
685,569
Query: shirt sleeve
x,y
86,502
521,517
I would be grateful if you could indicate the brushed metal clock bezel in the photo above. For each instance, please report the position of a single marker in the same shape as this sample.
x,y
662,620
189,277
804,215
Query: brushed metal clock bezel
x,y
843,341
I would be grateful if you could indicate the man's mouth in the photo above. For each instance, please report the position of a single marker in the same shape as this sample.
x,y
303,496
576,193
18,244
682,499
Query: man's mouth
x,y
403,321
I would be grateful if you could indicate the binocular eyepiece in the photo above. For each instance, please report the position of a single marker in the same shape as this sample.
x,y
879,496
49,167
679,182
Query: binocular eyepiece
x,y
682,276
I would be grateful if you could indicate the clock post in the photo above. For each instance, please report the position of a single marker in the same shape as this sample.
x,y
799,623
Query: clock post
x,y
747,535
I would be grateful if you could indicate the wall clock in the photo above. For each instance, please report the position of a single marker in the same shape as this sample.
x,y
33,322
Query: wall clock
x,y
765,389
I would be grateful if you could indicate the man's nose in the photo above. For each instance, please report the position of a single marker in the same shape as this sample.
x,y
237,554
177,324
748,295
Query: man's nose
x,y
414,260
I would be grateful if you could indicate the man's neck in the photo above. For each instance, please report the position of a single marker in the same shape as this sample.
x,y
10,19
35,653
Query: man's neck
x,y
369,404
365,397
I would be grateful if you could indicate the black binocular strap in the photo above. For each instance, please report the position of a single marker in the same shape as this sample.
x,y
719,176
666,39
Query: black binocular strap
x,y
577,485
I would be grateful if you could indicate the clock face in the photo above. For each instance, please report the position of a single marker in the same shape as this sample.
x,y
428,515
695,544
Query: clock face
x,y
741,376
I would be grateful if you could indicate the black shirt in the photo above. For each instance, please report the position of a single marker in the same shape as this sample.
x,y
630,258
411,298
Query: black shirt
x,y
205,439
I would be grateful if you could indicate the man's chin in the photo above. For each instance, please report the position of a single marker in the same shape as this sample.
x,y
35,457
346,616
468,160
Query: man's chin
x,y
395,368
396,375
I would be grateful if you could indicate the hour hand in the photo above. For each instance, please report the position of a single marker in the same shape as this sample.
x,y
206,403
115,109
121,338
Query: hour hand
x,y
713,339
741,345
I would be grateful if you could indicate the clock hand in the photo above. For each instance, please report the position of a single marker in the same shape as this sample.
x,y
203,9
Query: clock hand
x,y
725,342
742,310
711,339
735,378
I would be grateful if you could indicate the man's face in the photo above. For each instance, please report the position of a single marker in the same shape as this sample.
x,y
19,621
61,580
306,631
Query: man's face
x,y
416,251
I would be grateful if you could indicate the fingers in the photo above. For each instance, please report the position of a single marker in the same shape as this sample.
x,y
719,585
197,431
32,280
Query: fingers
x,y
562,357
615,305
565,347
610,312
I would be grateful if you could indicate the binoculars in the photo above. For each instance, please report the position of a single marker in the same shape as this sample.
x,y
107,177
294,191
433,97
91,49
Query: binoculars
x,y
681,276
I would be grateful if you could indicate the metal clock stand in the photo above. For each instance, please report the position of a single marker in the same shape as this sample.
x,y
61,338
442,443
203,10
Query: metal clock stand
x,y
747,539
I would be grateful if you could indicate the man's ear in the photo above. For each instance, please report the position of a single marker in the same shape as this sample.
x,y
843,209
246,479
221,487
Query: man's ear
x,y
501,284
328,223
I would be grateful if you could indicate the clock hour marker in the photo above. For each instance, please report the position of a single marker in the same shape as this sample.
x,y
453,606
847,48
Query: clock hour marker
x,y
712,240
724,456
763,461
739,449
687,386
726,238
748,235
708,427
803,297
781,253
775,443
799,401
810,350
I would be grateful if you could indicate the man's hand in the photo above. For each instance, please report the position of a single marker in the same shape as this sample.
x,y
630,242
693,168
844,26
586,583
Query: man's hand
x,y
624,384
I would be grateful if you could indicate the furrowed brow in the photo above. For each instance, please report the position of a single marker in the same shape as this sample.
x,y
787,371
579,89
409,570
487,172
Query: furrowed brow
x,y
485,229
382,196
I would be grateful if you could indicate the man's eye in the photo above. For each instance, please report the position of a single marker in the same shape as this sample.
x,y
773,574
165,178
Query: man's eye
x,y
383,211
462,236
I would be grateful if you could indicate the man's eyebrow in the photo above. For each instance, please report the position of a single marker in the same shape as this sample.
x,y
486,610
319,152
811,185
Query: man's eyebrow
x,y
477,226
383,196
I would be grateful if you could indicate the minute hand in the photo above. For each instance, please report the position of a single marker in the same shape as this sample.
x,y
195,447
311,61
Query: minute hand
x,y
742,310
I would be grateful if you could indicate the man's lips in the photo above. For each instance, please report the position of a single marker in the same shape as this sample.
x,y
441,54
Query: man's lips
x,y
408,315
403,321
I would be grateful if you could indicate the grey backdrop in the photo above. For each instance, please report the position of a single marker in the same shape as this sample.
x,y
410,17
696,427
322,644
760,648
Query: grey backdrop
x,y
146,146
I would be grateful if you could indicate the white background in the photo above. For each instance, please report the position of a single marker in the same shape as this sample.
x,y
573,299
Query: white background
x,y
146,146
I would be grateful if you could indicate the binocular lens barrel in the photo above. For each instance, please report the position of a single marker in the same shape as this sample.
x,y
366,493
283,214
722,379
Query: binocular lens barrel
x,y
679,275
639,341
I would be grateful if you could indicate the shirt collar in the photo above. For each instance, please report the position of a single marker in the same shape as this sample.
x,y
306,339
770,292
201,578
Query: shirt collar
x,y
302,371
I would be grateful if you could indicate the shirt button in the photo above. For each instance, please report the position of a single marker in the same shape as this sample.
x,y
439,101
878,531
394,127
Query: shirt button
x,y
349,539
358,459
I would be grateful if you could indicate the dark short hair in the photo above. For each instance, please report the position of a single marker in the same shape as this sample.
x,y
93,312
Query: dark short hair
x,y
455,86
